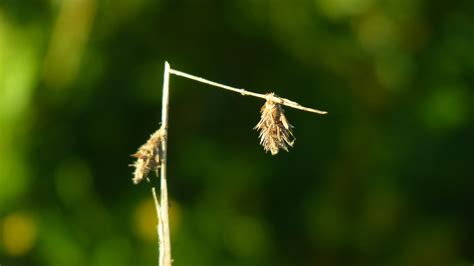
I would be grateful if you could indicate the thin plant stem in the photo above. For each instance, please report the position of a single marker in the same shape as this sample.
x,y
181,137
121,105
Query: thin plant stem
x,y
243,92
159,227
165,245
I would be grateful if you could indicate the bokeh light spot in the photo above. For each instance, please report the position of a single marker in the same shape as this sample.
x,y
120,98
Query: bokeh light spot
x,y
145,219
73,181
19,234
445,108
342,8
377,32
246,237
113,251
394,70
68,41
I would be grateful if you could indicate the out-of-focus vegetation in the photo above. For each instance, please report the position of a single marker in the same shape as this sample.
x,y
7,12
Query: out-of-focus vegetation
x,y
384,179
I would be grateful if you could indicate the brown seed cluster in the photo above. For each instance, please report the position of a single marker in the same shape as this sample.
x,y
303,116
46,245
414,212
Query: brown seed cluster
x,y
148,157
275,131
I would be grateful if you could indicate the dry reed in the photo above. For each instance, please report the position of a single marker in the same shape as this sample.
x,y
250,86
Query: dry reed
x,y
275,133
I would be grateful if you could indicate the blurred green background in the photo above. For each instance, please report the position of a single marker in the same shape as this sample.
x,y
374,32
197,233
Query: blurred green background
x,y
384,179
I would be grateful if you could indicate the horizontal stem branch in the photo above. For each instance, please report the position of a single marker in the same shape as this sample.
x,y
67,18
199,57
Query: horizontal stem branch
x,y
243,92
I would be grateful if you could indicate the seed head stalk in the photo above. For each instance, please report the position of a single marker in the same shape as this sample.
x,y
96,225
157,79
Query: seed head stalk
x,y
243,92
275,134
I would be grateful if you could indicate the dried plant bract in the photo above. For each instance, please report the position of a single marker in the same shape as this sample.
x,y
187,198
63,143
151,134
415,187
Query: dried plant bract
x,y
275,131
148,157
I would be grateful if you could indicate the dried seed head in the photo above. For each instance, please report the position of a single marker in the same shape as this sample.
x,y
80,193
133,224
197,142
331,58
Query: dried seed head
x,y
275,131
148,156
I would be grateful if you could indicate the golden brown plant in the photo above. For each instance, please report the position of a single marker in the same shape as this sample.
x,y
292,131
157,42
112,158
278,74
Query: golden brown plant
x,y
275,131
148,157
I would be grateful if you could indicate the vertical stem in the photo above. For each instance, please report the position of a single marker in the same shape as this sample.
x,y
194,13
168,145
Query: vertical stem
x,y
159,228
165,259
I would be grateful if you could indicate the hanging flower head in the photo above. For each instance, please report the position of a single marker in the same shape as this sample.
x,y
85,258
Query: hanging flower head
x,y
275,130
148,157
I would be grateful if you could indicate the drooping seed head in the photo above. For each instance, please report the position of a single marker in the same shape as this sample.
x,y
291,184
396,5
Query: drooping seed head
x,y
275,130
148,157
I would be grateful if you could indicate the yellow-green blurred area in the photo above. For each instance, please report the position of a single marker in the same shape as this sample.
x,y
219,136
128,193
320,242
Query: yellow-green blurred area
x,y
386,178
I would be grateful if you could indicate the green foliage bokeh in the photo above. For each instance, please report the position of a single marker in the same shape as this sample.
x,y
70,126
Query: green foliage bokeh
x,y
384,179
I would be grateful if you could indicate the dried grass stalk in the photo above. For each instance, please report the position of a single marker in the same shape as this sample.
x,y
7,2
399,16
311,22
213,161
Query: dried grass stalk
x,y
148,157
275,130
275,133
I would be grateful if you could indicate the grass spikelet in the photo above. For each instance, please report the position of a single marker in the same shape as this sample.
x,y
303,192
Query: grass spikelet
x,y
148,157
275,130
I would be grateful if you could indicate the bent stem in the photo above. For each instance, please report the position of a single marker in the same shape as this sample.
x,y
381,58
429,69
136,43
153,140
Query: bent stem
x,y
243,92
163,227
